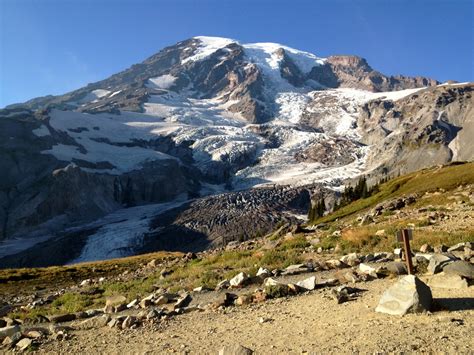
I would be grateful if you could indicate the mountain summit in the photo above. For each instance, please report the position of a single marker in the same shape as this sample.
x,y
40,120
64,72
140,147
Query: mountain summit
x,y
207,141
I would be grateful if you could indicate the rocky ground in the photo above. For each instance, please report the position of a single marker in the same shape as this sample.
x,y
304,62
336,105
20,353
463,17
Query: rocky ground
x,y
330,305
310,323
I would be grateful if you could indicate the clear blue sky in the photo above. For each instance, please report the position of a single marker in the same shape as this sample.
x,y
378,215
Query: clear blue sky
x,y
54,46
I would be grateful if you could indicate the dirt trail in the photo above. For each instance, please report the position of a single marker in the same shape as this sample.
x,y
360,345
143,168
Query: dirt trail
x,y
309,323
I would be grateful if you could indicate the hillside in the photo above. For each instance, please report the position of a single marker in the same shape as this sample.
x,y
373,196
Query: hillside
x,y
437,203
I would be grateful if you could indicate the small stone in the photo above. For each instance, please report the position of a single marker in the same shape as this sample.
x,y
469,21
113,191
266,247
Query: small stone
x,y
347,276
262,272
408,295
129,322
270,282
85,282
264,320
440,249
380,233
426,248
133,303
351,259
144,303
224,300
367,219
224,284
34,334
244,300
163,299
152,263
113,323
23,344
368,270
235,350
183,301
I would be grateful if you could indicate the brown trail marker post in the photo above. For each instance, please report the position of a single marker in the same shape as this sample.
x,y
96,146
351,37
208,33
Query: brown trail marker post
x,y
404,236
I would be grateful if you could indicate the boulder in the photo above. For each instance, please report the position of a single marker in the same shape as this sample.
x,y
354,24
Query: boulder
x,y
235,350
308,284
438,262
408,295
239,280
443,280
460,268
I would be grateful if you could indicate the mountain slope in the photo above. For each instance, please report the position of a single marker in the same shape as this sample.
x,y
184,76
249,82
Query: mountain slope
x,y
211,115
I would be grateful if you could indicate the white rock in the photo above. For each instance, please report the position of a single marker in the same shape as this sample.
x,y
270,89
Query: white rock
x,y
308,284
238,280
270,282
368,270
408,295
23,344
262,272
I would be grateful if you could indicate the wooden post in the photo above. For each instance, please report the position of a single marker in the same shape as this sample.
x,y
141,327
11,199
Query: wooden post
x,y
406,244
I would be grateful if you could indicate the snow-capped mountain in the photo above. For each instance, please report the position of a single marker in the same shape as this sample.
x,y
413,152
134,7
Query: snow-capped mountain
x,y
211,116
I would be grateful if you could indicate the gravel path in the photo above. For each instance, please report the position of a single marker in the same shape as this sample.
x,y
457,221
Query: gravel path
x,y
309,323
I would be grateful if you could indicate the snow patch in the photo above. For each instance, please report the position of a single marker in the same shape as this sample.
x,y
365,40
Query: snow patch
x,y
207,46
94,95
161,82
